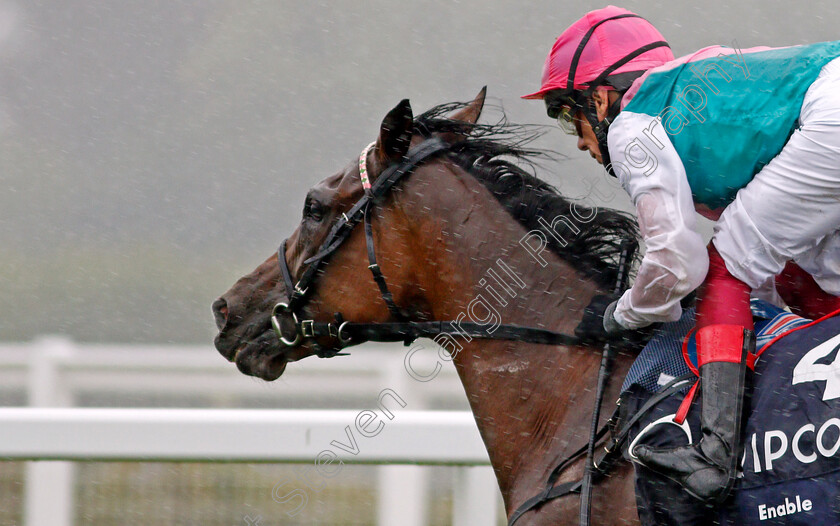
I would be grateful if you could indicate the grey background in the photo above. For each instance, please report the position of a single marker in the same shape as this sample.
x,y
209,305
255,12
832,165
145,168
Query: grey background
x,y
153,152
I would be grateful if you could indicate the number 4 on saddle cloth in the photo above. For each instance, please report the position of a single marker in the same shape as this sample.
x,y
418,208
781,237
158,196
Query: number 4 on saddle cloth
x,y
791,464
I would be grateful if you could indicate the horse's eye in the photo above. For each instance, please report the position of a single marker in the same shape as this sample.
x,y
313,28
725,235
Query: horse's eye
x,y
313,210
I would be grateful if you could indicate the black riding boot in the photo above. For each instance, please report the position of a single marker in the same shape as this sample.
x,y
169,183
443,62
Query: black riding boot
x,y
707,470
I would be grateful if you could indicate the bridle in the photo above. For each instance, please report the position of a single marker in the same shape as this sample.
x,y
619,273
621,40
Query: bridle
x,y
351,333
405,330
341,229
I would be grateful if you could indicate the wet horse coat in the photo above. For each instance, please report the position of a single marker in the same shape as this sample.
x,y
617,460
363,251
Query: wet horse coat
x,y
441,235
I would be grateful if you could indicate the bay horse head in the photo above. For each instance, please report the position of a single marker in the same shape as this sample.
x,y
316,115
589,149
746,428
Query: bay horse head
x,y
438,220
247,315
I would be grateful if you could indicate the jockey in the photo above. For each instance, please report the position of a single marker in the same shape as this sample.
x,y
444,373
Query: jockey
x,y
749,138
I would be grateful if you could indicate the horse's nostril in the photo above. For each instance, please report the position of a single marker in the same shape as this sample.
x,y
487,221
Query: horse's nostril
x,y
220,312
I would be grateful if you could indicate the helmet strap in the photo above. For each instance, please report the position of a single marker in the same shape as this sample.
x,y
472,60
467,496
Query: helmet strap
x,y
601,127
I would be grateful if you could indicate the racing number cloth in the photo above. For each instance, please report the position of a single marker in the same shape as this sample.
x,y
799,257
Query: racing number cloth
x,y
791,464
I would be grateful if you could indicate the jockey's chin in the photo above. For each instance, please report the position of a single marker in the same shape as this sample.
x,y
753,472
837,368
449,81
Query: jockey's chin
x,y
592,148
594,152
587,142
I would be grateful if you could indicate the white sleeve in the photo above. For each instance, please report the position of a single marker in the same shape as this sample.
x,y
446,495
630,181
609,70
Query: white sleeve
x,y
675,262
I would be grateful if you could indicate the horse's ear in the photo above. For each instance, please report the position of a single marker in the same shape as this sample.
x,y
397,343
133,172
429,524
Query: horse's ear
x,y
468,115
395,134
472,111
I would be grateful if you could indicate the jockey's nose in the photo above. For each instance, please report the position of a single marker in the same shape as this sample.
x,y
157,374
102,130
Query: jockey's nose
x,y
581,144
220,313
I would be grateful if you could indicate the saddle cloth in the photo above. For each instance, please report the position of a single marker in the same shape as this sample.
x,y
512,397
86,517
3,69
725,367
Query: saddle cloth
x,y
791,464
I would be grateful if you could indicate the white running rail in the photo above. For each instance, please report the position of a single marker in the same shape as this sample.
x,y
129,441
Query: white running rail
x,y
53,374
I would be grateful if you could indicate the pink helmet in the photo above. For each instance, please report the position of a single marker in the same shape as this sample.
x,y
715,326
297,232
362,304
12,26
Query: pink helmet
x,y
604,43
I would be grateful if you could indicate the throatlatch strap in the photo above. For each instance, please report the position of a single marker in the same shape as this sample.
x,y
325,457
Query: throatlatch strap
x,y
376,271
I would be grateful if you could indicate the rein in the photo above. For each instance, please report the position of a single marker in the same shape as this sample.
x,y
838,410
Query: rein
x,y
628,249
593,470
352,333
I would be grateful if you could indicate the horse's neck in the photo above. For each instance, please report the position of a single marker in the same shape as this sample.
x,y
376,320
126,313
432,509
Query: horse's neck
x,y
532,403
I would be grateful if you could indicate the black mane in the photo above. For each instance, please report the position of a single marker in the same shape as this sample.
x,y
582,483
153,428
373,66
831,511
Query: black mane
x,y
490,152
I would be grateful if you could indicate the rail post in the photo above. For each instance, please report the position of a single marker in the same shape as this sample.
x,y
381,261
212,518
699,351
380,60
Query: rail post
x,y
48,499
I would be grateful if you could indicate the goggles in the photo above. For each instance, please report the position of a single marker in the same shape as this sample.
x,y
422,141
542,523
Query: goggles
x,y
564,107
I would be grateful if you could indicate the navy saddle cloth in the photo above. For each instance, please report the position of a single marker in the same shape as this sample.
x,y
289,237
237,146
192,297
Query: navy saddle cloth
x,y
791,465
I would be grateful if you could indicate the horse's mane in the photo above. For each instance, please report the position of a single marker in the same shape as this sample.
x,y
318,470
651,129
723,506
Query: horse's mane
x,y
490,153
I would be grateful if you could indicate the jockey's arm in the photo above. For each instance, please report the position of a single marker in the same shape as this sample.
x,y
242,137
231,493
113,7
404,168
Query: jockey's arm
x,y
676,261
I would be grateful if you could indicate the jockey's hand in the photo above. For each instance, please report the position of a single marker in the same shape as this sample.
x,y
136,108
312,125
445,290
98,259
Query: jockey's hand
x,y
599,325
598,322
